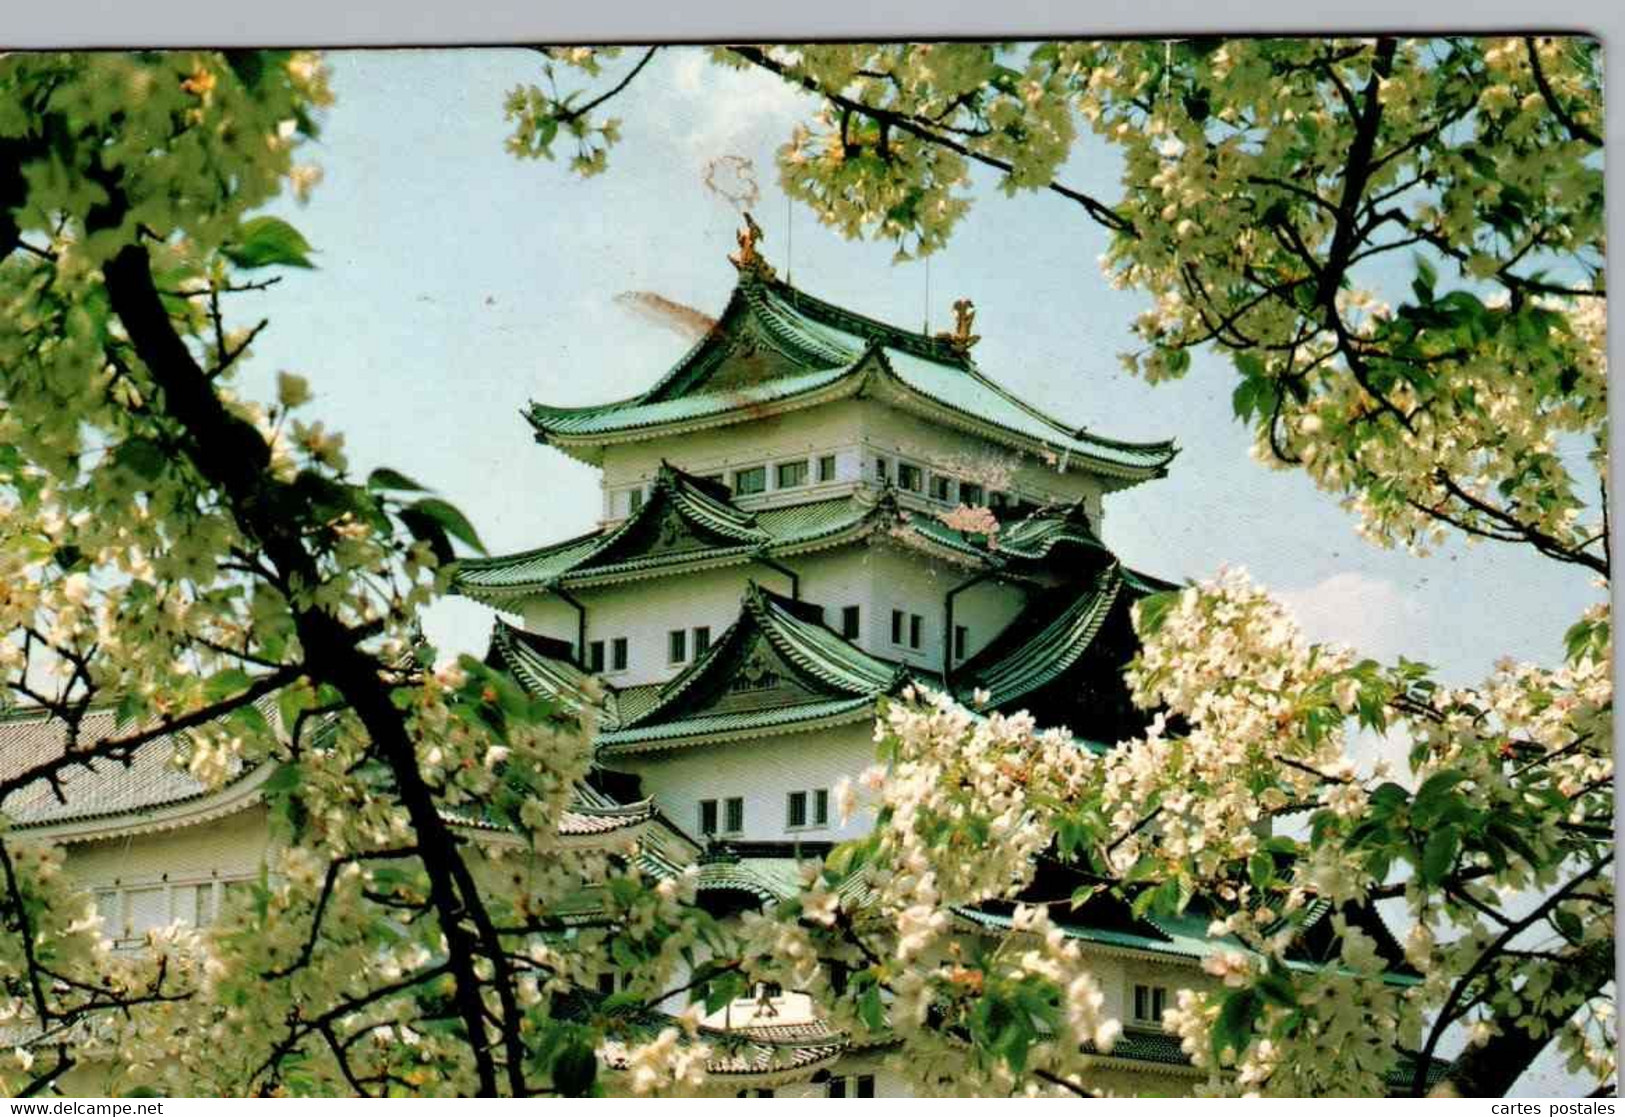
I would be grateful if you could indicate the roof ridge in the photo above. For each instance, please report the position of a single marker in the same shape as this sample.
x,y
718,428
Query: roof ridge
x,y
832,314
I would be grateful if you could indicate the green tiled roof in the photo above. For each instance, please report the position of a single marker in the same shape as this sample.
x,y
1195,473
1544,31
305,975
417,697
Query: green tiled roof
x,y
721,533
714,530
776,348
723,725
976,397
635,413
528,658
1020,660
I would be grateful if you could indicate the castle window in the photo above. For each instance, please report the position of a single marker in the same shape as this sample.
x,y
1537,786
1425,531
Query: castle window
x,y
897,626
708,817
735,820
748,482
1149,1001
634,501
797,803
970,494
702,640
908,477
849,622
677,645
618,654
595,656
850,1086
942,488
882,470
916,624
791,475
611,982
961,639
826,467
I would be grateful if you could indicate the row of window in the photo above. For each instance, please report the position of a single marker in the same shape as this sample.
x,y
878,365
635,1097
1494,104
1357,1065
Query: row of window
x,y
802,809
907,630
949,490
797,472
127,914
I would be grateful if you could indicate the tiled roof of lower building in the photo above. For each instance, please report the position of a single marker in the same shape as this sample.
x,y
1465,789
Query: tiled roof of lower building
x,y
100,789
118,796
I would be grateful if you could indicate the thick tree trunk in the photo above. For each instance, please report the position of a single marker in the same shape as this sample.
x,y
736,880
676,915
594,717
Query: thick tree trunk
x,y
231,455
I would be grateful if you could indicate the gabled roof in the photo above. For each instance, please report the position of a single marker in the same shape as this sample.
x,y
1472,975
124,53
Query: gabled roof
x,y
804,675
1042,644
776,348
777,666
110,798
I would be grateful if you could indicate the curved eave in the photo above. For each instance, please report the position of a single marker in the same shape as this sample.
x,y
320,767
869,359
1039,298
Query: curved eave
x,y
898,392
196,810
508,597
1014,678
678,735
861,676
569,835
588,446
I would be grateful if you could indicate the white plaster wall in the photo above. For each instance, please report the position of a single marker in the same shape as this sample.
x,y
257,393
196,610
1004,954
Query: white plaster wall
x,y
855,431
901,434
906,580
234,846
762,772
832,428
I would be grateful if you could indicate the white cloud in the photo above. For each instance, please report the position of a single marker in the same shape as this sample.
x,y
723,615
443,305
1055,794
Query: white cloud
x,y
1371,614
734,112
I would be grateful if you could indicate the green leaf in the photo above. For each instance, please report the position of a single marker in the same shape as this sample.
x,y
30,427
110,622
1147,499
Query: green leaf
x,y
1261,869
266,241
142,457
286,778
446,516
1234,1027
1153,610
870,1009
1439,854
386,478
225,684
1423,284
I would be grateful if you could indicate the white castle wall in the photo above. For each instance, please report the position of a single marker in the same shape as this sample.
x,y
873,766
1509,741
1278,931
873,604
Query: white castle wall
x,y
762,772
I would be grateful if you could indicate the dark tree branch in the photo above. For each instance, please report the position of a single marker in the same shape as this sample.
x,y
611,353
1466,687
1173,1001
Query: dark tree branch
x,y
1575,128
927,132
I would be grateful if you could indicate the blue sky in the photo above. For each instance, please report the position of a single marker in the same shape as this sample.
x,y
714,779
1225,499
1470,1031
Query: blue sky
x,y
455,283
